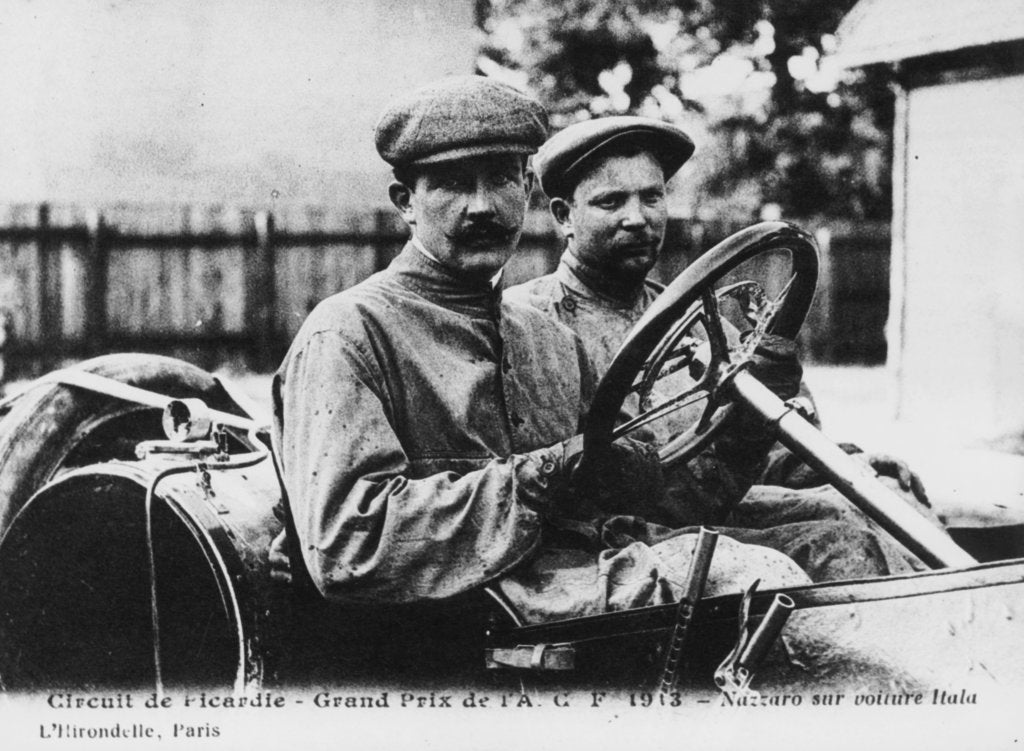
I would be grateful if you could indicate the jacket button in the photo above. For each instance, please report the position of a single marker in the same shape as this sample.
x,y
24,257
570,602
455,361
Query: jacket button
x,y
569,304
547,468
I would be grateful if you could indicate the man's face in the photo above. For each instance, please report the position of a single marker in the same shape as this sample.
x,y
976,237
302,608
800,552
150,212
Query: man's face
x,y
468,213
616,219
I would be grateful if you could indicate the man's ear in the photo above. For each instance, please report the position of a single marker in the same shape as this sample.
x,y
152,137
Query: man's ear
x,y
401,196
561,210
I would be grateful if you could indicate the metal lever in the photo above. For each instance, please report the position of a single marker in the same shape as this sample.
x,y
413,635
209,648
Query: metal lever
x,y
736,672
693,590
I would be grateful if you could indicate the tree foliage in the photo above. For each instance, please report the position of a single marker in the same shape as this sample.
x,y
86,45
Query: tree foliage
x,y
753,80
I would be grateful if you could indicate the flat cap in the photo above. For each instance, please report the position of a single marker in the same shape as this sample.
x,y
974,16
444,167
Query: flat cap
x,y
563,160
458,117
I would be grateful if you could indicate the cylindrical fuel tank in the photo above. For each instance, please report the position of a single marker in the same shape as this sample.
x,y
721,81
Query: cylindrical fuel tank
x,y
141,574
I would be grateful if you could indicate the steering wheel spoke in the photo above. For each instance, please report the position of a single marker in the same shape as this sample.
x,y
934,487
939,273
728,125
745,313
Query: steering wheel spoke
x,y
656,412
704,422
685,444
689,360
676,346
714,327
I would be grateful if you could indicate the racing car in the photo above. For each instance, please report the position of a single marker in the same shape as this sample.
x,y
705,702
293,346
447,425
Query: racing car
x,y
139,499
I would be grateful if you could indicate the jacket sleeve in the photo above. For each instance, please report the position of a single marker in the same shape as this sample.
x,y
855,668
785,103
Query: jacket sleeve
x,y
368,532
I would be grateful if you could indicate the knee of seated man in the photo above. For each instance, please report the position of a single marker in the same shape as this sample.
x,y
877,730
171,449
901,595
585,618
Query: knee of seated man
x,y
736,565
844,549
828,504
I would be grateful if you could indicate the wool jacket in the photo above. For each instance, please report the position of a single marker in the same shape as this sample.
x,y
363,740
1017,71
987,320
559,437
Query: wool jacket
x,y
414,414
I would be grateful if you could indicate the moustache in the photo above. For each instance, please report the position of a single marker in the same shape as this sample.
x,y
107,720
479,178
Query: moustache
x,y
489,231
638,244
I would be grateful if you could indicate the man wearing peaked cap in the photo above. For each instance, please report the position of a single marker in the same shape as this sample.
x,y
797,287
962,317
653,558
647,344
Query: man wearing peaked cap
x,y
446,133
606,179
423,425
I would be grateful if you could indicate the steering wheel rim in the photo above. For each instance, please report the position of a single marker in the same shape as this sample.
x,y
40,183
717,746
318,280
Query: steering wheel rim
x,y
696,285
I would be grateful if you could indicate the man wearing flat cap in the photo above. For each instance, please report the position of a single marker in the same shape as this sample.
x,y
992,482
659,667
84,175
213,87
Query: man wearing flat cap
x,y
606,179
422,423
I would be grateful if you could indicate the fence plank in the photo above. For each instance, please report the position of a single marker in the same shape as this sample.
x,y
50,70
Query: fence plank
x,y
95,275
19,290
73,269
175,271
216,291
133,289
307,274
48,279
261,289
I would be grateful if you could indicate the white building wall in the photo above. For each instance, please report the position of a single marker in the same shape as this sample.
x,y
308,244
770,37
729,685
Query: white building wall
x,y
961,357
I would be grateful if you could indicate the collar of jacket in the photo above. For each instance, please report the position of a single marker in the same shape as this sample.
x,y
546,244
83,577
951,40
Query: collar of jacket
x,y
586,281
442,286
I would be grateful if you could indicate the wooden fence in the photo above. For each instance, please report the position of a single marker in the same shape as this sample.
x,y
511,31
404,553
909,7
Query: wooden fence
x,y
220,286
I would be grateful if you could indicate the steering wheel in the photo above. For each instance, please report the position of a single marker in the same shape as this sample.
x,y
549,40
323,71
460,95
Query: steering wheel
x,y
665,343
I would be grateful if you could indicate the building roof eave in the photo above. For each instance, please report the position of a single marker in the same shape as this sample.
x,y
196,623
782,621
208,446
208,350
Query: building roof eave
x,y
889,31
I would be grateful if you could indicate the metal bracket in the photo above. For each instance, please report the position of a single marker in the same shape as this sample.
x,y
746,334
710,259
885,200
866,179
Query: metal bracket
x,y
536,657
206,484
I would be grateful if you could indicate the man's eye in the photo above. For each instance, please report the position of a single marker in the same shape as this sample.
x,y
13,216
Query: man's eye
x,y
453,182
503,179
608,202
653,199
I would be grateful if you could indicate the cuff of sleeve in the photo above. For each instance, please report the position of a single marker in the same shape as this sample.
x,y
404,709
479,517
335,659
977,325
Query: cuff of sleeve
x,y
747,454
539,479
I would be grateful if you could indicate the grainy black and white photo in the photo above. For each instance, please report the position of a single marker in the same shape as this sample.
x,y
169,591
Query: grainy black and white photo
x,y
511,373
